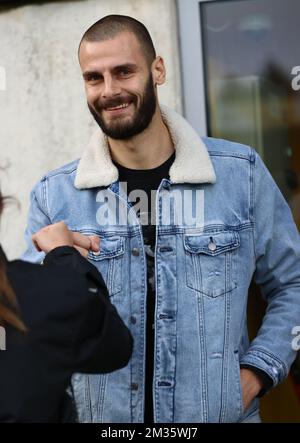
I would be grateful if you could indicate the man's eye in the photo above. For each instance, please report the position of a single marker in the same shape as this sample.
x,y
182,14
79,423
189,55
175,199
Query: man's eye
x,y
125,72
92,78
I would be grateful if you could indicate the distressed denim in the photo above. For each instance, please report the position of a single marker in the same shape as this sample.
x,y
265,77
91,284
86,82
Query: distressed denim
x,y
203,272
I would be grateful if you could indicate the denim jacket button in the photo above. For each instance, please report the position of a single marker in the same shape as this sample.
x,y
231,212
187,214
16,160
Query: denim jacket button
x,y
212,246
134,386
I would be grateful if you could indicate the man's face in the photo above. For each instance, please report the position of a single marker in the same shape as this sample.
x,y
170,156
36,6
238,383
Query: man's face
x,y
119,85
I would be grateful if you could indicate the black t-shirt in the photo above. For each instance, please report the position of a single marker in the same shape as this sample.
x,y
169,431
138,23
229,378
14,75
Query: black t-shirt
x,y
147,180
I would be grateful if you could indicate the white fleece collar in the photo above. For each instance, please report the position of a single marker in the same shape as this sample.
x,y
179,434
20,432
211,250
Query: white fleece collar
x,y
192,163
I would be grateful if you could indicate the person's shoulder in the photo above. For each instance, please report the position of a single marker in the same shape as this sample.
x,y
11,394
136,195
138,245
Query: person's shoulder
x,y
66,169
218,147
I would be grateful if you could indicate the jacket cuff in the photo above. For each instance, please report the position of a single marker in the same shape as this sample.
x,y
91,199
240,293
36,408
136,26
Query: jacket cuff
x,y
266,362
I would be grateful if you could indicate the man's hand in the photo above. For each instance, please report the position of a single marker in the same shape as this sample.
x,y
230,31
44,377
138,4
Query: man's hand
x,y
53,236
251,384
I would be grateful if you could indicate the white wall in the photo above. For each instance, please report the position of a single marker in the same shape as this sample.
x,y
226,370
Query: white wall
x,y
44,118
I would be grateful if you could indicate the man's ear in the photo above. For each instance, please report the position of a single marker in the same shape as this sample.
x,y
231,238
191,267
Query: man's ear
x,y
158,71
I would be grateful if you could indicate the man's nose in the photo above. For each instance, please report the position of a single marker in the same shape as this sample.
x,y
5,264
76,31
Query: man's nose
x,y
111,88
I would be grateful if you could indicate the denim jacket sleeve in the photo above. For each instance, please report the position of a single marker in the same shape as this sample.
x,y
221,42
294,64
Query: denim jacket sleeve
x,y
37,219
277,254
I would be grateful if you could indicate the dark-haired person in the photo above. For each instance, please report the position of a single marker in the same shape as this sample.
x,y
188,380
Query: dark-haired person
x,y
58,319
203,217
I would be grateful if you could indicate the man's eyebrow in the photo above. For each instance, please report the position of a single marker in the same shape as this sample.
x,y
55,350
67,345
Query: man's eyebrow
x,y
88,73
130,66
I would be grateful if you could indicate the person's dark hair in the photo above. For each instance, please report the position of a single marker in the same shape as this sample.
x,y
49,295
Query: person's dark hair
x,y
110,26
9,310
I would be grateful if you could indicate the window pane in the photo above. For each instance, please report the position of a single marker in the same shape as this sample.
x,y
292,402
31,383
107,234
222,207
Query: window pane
x,y
251,48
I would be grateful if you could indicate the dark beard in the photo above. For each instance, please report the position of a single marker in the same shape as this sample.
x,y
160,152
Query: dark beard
x,y
142,118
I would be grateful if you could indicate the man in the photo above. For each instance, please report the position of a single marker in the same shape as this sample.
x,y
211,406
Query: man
x,y
179,266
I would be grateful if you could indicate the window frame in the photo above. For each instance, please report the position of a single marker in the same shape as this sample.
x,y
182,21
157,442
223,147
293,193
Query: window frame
x,y
192,62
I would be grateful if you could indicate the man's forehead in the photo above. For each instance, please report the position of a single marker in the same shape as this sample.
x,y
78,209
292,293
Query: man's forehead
x,y
123,46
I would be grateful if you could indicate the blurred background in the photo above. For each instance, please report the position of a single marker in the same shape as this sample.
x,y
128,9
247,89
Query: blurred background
x,y
233,70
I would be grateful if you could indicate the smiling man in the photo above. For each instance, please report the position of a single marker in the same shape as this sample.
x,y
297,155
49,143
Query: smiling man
x,y
180,283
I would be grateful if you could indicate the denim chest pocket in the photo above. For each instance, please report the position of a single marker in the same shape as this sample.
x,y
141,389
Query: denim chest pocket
x,y
110,262
209,262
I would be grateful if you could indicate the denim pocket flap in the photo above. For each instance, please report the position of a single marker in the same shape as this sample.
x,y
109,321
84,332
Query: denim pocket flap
x,y
212,243
110,247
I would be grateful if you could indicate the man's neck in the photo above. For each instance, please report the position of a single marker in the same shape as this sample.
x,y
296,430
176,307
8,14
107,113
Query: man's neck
x,y
146,150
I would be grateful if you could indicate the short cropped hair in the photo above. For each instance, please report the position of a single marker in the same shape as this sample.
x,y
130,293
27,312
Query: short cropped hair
x,y
110,26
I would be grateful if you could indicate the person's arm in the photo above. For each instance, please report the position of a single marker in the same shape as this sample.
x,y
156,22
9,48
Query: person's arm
x,y
277,254
104,343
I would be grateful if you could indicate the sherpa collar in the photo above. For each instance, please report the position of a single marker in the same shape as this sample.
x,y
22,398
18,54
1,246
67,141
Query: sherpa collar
x,y
192,163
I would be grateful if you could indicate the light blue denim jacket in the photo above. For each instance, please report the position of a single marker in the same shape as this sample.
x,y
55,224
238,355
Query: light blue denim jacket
x,y
238,227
